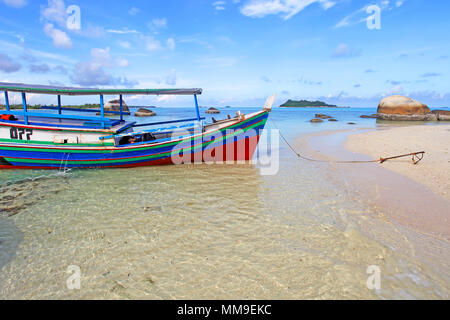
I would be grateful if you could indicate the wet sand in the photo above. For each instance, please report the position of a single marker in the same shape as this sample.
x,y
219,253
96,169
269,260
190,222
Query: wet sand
x,y
417,213
415,195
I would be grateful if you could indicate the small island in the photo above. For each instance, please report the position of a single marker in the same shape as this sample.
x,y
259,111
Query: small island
x,y
306,104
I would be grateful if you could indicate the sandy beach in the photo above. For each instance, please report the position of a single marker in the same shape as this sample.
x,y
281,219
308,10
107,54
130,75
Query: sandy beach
x,y
433,171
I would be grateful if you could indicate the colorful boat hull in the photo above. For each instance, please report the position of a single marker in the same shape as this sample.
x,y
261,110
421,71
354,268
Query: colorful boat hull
x,y
234,142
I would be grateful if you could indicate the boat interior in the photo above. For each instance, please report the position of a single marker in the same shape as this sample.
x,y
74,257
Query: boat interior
x,y
163,134
111,125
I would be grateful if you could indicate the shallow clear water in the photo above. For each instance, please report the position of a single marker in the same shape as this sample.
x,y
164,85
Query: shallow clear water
x,y
205,231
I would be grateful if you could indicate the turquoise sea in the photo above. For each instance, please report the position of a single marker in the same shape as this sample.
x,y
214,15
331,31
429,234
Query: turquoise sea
x,y
208,231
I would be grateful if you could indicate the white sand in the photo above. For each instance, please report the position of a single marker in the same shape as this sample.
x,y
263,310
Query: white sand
x,y
433,171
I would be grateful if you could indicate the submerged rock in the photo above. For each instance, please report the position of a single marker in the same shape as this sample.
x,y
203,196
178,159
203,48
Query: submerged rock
x,y
322,116
316,120
332,120
143,112
212,111
373,116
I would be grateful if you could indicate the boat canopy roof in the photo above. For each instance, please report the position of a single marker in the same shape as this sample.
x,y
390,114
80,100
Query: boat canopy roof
x,y
73,91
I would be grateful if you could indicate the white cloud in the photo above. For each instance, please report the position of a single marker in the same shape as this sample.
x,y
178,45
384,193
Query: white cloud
x,y
285,8
88,74
121,62
195,39
55,12
327,4
171,79
167,98
15,3
430,74
122,31
341,51
152,44
395,90
134,11
93,74
60,38
91,31
219,5
158,23
52,56
101,55
125,44
353,18
171,44
21,38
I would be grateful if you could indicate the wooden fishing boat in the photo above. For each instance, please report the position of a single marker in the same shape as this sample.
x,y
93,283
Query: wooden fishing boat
x,y
59,137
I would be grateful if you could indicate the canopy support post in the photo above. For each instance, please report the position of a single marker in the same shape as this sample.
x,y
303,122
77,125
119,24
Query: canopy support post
x,y
121,108
59,104
197,108
7,101
102,110
24,102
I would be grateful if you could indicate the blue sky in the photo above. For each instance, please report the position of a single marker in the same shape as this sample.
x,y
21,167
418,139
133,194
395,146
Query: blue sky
x,y
239,52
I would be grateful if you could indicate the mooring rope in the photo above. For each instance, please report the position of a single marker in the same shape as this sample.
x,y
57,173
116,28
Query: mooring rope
x,y
416,156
